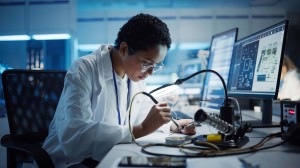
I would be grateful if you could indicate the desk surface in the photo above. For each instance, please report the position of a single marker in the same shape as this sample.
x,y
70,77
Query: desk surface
x,y
282,156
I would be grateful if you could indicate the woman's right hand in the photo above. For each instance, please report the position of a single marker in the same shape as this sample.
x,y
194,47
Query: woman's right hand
x,y
158,115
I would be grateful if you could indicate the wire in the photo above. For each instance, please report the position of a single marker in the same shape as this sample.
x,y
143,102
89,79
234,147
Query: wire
x,y
200,152
204,152
238,107
129,119
256,147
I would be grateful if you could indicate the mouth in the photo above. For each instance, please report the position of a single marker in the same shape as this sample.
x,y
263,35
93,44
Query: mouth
x,y
143,77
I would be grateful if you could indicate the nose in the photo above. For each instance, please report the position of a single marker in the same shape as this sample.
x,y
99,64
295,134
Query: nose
x,y
150,71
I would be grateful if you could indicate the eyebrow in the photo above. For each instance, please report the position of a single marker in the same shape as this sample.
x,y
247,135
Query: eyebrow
x,y
152,61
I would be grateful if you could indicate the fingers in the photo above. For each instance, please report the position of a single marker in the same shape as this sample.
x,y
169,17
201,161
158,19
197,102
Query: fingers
x,y
162,104
188,126
164,110
189,131
166,117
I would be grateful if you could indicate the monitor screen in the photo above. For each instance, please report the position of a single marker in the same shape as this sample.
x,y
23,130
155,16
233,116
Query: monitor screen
x,y
256,64
189,67
219,60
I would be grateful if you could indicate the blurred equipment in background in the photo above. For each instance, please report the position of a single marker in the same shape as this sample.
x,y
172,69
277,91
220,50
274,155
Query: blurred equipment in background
x,y
290,116
289,81
35,55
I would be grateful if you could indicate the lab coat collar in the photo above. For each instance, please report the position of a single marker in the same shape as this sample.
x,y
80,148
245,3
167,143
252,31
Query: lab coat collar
x,y
104,62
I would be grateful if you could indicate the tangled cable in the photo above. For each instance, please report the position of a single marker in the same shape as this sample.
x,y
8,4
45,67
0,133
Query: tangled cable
x,y
208,149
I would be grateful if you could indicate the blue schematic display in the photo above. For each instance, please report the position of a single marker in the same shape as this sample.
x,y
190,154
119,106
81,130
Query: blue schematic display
x,y
247,66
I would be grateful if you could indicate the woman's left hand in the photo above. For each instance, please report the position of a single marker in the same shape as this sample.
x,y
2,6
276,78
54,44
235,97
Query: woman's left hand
x,y
186,125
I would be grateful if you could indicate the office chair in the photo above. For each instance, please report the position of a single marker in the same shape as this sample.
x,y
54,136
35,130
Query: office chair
x,y
31,97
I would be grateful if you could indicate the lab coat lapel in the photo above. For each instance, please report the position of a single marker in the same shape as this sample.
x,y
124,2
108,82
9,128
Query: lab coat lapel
x,y
104,62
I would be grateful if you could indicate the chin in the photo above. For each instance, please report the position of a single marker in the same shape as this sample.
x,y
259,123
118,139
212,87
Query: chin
x,y
135,79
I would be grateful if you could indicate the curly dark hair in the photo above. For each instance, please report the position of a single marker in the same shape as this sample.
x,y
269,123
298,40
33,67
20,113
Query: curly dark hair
x,y
143,31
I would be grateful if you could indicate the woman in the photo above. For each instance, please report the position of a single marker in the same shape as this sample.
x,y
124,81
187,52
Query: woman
x,y
290,81
92,114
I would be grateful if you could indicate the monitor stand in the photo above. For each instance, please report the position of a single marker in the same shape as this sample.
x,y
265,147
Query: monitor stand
x,y
266,120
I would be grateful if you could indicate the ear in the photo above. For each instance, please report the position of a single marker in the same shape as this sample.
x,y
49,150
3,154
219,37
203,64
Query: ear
x,y
123,50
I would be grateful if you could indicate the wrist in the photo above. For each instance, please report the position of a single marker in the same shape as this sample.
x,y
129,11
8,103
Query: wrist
x,y
140,130
137,131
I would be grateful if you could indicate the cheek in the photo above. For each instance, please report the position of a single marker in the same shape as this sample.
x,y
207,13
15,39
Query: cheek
x,y
132,68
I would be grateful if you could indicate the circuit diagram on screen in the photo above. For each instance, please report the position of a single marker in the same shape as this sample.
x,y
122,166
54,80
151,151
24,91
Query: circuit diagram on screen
x,y
267,64
247,66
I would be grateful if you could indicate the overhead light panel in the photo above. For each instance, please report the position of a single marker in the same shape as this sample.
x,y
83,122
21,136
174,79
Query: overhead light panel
x,y
51,36
14,38
88,47
193,46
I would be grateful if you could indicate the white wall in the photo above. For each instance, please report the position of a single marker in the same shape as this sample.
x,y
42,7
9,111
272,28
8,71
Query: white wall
x,y
37,17
186,25
34,17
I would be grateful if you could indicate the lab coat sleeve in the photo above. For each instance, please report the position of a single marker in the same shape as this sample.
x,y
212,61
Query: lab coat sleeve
x,y
78,135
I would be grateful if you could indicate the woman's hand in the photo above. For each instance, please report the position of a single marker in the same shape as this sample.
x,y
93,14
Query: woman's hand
x,y
158,115
187,124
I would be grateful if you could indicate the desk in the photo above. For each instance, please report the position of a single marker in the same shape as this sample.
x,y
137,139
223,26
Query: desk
x,y
282,156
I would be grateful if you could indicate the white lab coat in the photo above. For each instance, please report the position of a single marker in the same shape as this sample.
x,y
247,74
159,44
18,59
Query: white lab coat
x,y
291,86
86,119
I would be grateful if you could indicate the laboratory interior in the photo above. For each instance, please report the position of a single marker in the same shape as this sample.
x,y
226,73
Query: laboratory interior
x,y
233,63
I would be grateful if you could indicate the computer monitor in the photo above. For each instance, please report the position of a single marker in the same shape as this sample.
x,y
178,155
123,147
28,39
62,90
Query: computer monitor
x,y
219,60
256,68
189,67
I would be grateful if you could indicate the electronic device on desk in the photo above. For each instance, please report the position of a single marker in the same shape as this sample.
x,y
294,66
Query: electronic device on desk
x,y
256,68
228,137
290,121
220,56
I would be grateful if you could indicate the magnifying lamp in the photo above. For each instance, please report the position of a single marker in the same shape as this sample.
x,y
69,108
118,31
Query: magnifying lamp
x,y
165,89
226,111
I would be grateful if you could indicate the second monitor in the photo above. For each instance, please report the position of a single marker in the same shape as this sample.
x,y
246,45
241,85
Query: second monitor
x,y
256,67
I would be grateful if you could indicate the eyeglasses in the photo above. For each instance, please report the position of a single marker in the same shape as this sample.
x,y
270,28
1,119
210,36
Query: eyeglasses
x,y
147,66
154,67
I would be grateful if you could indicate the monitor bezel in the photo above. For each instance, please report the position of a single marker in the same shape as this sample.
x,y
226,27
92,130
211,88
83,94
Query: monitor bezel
x,y
260,95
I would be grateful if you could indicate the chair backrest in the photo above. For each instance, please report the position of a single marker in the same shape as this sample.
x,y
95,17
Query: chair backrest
x,y
31,97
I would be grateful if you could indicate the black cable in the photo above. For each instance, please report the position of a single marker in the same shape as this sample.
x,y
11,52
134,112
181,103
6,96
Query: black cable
x,y
180,81
161,87
165,145
207,153
151,97
250,149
